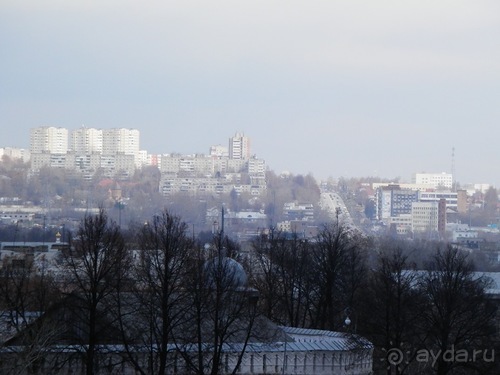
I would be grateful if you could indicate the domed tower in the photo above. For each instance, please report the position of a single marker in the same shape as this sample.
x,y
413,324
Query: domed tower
x,y
225,272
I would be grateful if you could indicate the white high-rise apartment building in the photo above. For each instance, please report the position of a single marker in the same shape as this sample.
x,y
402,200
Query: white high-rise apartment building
x,y
86,141
239,147
48,139
120,140
434,180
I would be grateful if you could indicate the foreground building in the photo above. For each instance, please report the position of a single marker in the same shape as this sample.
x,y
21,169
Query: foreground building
x,y
301,352
254,345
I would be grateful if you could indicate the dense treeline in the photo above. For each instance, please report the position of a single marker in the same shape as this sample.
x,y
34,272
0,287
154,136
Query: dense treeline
x,y
170,295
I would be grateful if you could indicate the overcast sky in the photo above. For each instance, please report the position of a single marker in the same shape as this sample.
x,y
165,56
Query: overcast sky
x,y
336,88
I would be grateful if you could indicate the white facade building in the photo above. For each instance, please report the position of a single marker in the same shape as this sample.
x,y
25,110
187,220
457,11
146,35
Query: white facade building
x,y
425,217
434,180
435,196
256,166
86,141
239,147
48,139
219,151
116,151
120,140
193,164
402,224
15,153
419,187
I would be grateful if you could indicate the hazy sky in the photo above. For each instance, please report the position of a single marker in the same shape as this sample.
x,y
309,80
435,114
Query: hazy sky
x,y
336,88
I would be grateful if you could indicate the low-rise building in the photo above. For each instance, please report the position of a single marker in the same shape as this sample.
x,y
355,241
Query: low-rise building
x,y
298,211
434,180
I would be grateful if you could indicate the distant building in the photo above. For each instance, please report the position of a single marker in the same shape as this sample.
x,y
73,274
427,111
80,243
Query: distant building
x,y
239,147
419,187
114,151
462,201
401,225
48,139
219,151
393,201
466,238
120,141
14,217
429,217
451,197
256,166
86,141
15,153
171,183
434,180
199,174
298,211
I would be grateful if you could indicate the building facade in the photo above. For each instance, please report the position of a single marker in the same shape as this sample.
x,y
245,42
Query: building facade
x,y
86,141
120,140
239,147
435,196
429,217
434,180
114,151
15,153
48,139
393,201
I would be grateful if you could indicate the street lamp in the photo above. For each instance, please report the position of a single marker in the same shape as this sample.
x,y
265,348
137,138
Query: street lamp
x,y
347,322
352,341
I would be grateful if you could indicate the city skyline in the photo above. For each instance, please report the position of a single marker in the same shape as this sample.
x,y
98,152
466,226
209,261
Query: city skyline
x,y
337,88
81,141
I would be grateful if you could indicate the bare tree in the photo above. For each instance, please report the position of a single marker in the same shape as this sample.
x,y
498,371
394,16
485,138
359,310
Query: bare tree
x,y
222,314
340,268
458,317
95,266
285,266
151,314
269,249
392,310
26,293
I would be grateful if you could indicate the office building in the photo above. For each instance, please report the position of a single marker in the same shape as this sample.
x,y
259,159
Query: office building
x,y
429,217
393,201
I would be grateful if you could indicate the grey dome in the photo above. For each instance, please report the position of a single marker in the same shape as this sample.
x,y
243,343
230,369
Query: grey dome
x,y
227,271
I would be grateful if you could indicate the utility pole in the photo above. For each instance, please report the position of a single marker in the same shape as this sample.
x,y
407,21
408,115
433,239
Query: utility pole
x,y
43,231
222,223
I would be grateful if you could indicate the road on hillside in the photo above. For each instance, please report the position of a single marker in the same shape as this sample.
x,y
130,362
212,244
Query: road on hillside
x,y
332,203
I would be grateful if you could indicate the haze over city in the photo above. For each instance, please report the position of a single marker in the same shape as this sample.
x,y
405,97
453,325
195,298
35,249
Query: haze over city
x,y
335,88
